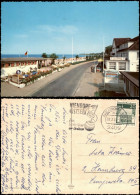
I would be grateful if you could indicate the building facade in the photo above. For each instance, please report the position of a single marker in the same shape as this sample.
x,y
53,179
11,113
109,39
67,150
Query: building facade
x,y
9,66
124,55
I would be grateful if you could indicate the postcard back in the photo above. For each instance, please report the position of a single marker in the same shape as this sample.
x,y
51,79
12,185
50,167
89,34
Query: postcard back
x,y
69,146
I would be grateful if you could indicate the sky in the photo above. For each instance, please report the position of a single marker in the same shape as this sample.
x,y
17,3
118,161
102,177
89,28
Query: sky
x,y
49,27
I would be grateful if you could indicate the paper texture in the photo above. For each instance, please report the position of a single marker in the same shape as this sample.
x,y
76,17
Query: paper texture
x,y
69,146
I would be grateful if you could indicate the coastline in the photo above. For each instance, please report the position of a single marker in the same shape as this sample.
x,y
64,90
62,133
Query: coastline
x,y
60,56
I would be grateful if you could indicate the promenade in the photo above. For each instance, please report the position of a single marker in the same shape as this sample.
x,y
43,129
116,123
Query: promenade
x,y
87,85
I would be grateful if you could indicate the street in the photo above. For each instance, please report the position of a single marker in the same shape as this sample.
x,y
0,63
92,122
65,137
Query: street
x,y
64,86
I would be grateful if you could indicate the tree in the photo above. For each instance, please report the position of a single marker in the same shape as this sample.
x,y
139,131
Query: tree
x,y
54,57
44,55
108,49
64,58
76,57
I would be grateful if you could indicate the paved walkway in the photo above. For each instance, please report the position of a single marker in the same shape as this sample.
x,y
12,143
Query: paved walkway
x,y
89,84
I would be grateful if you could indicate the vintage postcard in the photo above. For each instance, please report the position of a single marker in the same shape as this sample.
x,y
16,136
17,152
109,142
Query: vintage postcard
x,y
70,49
69,146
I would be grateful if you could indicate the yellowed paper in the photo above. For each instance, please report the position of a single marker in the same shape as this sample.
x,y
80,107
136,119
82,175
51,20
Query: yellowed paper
x,y
69,146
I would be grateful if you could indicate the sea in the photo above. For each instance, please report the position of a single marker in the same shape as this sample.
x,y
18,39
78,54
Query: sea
x,y
60,56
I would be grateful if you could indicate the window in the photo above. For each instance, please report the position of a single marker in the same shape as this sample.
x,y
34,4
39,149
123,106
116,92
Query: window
x,y
122,65
125,45
124,54
112,65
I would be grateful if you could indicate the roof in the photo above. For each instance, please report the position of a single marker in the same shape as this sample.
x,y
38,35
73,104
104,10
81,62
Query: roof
x,y
135,38
21,59
134,46
132,76
120,41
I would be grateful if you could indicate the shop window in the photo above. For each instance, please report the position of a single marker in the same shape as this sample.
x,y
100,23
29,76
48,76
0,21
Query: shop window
x,y
112,65
122,65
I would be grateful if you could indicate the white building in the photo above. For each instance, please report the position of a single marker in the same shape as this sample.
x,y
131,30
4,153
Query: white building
x,y
124,55
9,66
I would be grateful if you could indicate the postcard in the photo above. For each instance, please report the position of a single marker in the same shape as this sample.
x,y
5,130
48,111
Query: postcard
x,y
69,146
70,49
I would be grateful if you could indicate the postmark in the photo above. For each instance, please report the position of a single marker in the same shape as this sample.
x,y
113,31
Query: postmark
x,y
130,109
111,119
83,116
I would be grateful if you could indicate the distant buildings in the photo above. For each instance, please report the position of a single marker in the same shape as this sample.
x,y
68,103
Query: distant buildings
x,y
70,60
124,55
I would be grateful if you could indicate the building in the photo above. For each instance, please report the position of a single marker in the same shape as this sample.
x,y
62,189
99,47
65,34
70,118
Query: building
x,y
69,60
131,83
124,55
9,66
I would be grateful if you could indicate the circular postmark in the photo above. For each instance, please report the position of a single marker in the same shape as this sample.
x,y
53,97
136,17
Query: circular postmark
x,y
114,119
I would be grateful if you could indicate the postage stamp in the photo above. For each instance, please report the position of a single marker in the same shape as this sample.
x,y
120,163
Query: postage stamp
x,y
87,118
110,117
130,109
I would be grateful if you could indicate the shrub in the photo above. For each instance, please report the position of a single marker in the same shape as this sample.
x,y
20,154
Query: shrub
x,y
50,71
67,65
55,68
